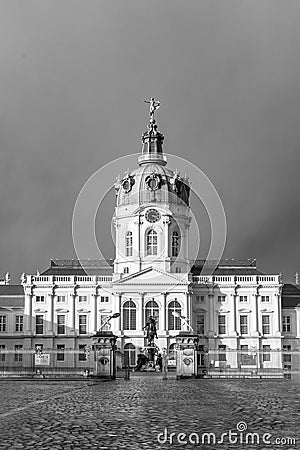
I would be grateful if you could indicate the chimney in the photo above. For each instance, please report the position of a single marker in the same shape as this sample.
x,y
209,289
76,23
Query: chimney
x,y
296,278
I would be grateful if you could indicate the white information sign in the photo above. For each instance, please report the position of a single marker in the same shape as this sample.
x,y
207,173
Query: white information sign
x,y
42,359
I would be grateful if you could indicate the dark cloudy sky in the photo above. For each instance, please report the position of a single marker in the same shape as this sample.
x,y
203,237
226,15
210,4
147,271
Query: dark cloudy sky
x,y
74,75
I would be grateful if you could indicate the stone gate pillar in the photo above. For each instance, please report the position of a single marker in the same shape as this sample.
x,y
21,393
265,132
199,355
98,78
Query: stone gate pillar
x,y
104,346
187,347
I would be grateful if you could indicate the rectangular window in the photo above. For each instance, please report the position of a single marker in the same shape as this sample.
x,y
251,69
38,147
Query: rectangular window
x,y
200,324
2,354
243,298
61,324
104,299
19,323
82,324
244,348
265,324
265,298
266,353
221,298
129,242
200,298
60,352
286,324
61,298
82,352
18,353
2,323
222,324
287,357
39,324
39,298
222,352
244,324
82,298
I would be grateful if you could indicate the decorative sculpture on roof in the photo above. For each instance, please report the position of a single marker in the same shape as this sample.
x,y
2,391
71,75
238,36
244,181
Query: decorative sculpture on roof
x,y
180,186
154,105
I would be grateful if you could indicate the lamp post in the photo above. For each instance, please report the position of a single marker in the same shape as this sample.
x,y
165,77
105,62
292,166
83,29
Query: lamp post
x,y
113,316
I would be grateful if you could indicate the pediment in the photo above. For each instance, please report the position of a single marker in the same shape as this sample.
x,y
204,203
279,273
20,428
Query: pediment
x,y
224,310
83,310
267,310
40,310
62,310
245,310
154,276
105,311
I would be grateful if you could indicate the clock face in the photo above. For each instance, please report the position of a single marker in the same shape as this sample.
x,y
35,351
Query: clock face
x,y
152,215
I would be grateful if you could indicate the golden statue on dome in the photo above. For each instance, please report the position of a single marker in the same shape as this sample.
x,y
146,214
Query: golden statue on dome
x,y
154,105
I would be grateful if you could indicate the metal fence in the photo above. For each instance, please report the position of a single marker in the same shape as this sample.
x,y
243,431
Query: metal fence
x,y
215,363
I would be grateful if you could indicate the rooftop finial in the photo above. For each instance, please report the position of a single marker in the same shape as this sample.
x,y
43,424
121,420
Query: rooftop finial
x,y
154,105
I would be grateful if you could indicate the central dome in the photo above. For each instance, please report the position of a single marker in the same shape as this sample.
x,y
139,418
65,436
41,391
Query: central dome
x,y
151,182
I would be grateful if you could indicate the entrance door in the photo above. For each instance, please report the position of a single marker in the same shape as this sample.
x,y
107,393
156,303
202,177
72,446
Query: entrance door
x,y
129,355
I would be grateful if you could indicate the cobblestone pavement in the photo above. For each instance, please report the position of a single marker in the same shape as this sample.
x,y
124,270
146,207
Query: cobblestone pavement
x,y
79,415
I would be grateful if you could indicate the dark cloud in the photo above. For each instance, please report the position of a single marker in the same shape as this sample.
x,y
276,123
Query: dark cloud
x,y
74,77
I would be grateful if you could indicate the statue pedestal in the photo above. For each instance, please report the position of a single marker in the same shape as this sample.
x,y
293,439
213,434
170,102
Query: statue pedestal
x,y
104,346
186,354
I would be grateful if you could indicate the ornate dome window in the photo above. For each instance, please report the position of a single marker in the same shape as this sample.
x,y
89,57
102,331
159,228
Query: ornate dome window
x,y
127,184
153,181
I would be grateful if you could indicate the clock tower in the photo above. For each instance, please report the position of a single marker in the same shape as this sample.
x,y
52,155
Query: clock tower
x,y
152,213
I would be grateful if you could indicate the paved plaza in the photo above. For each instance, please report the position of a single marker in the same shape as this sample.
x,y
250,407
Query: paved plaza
x,y
142,413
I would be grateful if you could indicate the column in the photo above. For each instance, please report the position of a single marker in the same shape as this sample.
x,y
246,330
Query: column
x,y
297,322
211,313
50,327
29,317
279,313
119,309
166,223
256,331
189,308
234,329
142,294
95,295
73,296
164,312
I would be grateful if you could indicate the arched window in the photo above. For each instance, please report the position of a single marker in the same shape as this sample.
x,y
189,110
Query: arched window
x,y
175,243
152,309
129,355
129,315
126,270
151,242
174,321
128,243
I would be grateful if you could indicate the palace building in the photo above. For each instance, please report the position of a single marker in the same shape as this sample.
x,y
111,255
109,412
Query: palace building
x,y
236,311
